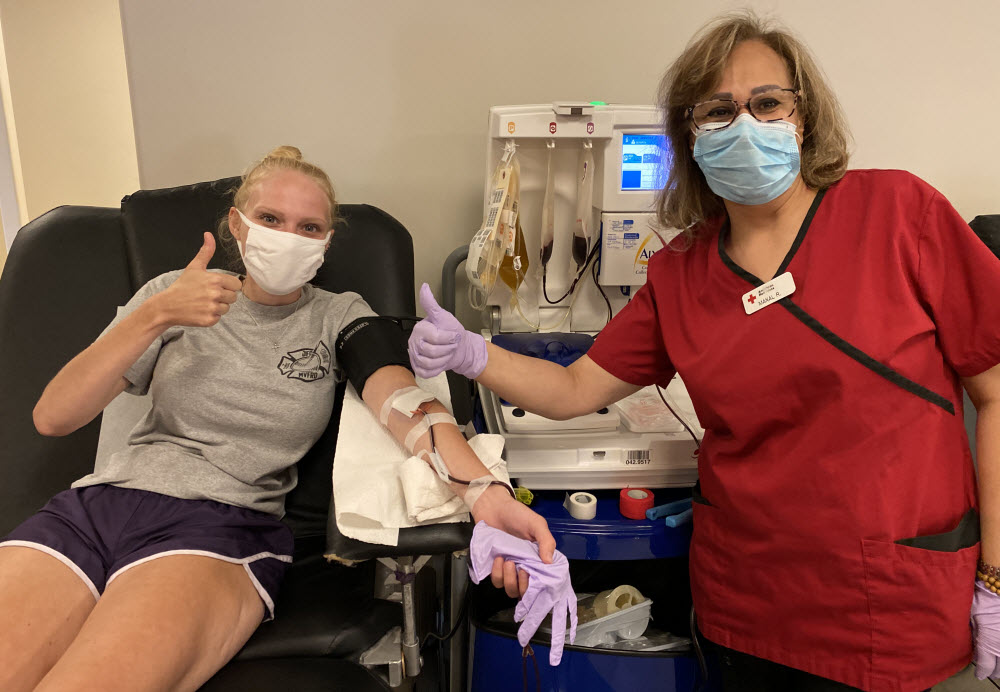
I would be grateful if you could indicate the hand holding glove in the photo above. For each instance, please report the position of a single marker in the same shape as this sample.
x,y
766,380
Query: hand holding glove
x,y
439,342
549,587
986,631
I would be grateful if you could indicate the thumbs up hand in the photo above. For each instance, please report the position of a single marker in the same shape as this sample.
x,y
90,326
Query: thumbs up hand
x,y
199,298
439,343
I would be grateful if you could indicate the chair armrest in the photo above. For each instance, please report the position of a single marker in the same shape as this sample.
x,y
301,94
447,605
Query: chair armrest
x,y
433,539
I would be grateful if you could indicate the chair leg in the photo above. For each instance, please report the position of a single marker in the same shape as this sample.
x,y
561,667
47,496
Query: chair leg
x,y
458,585
411,644
399,649
387,652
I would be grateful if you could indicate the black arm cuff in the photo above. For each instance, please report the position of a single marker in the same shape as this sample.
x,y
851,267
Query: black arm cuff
x,y
370,343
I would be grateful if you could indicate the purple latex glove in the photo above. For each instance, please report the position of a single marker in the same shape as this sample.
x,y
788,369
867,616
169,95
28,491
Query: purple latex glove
x,y
986,631
439,342
549,587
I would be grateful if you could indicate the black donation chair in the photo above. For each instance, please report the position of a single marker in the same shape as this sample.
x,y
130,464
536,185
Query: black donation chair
x,y
66,273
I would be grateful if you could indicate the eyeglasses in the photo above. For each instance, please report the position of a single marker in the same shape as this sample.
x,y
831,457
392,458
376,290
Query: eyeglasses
x,y
767,106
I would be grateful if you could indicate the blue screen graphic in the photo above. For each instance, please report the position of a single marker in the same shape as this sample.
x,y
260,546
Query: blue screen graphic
x,y
644,161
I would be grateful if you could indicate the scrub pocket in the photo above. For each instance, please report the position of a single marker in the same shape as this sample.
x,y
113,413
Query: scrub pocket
x,y
919,594
697,497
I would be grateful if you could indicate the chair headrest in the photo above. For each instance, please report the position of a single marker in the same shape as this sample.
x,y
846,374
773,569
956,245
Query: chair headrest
x,y
371,253
163,228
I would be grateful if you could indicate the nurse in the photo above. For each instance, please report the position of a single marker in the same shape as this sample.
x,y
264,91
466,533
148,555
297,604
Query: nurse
x,y
825,322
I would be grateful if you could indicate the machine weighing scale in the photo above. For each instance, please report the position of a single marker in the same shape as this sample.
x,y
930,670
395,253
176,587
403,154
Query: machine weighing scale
x,y
635,442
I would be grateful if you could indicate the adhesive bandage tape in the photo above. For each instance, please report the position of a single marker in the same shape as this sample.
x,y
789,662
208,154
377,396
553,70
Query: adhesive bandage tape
x,y
405,400
424,425
383,415
581,505
616,599
633,502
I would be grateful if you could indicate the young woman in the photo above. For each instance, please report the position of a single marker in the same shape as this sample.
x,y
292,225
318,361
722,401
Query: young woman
x,y
152,572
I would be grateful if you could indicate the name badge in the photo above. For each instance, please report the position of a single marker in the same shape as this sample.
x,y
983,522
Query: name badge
x,y
773,291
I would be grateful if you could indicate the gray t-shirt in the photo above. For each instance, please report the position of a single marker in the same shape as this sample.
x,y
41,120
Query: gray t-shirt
x,y
231,413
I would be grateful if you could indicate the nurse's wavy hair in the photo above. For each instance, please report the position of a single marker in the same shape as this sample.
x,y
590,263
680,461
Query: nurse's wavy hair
x,y
686,200
283,158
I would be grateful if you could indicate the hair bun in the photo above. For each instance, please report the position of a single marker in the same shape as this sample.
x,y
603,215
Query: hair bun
x,y
285,152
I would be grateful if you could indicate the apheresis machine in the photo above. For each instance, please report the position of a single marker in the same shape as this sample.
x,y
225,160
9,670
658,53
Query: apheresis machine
x,y
568,231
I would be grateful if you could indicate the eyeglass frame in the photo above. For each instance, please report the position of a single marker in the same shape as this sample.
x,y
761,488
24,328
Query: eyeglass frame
x,y
689,113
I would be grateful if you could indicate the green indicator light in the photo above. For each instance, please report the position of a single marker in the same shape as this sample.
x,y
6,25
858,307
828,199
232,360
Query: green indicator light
x,y
598,103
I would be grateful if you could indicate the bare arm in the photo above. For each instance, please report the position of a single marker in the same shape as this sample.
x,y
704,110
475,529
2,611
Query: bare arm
x,y
495,506
95,377
440,342
549,389
984,390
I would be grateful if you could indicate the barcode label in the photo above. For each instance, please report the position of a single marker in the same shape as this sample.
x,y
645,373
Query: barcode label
x,y
637,457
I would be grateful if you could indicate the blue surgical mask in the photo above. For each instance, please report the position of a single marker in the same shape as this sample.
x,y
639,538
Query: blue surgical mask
x,y
749,162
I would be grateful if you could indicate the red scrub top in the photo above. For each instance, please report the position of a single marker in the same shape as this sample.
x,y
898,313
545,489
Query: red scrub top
x,y
833,430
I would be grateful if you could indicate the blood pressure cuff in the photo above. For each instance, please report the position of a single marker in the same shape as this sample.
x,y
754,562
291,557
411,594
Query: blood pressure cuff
x,y
369,343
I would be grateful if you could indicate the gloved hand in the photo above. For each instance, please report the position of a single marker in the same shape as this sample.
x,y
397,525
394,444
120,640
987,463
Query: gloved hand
x,y
986,631
549,587
439,342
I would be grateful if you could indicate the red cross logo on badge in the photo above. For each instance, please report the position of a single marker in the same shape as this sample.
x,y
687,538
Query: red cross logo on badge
x,y
751,299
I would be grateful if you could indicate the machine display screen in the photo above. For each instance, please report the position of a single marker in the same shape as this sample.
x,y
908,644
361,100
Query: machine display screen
x,y
644,158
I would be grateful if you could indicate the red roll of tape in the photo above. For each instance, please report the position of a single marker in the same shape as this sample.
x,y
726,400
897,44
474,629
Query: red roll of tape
x,y
633,502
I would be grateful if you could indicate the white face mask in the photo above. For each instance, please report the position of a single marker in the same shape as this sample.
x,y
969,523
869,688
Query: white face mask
x,y
278,261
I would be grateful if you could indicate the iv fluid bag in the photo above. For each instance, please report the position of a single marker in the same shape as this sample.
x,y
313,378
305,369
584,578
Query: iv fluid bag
x,y
488,246
515,261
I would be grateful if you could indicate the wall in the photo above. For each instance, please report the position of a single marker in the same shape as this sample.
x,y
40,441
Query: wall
x,y
392,98
69,98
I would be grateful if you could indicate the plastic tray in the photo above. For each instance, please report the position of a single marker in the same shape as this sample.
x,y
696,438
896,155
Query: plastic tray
x,y
629,623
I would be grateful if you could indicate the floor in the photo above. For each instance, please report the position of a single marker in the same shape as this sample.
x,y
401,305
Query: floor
x,y
966,682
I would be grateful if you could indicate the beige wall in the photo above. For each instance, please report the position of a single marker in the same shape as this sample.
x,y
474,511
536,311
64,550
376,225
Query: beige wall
x,y
392,97
70,104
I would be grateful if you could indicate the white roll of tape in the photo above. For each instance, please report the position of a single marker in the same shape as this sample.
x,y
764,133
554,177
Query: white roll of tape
x,y
581,505
613,600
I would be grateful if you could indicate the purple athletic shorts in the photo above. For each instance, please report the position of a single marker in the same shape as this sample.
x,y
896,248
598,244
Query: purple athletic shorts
x,y
101,530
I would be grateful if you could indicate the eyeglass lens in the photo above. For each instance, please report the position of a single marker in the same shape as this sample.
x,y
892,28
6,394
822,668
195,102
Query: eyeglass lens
x,y
769,105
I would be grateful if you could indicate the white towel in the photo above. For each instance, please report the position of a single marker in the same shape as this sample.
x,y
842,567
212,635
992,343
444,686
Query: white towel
x,y
429,499
378,488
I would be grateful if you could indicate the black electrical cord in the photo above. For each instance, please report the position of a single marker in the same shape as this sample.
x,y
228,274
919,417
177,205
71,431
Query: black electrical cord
x,y
600,288
683,422
580,273
698,652
462,611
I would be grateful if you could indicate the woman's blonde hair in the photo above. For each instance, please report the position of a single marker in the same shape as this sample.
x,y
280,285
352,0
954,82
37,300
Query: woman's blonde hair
x,y
686,200
283,158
